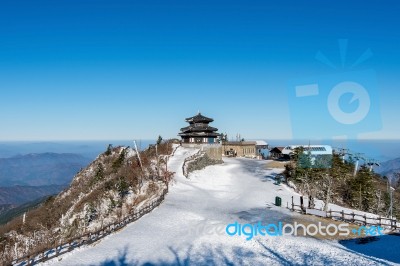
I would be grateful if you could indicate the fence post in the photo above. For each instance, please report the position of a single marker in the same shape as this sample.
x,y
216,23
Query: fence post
x,y
353,220
365,219
292,204
343,215
302,204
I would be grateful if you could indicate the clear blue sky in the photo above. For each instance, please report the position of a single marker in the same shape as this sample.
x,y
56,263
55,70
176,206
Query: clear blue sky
x,y
86,69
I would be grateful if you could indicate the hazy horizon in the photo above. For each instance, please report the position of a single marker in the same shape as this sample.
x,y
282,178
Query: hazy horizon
x,y
382,150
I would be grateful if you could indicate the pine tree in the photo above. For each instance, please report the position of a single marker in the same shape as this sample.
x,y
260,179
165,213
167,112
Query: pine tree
x,y
109,149
159,140
363,190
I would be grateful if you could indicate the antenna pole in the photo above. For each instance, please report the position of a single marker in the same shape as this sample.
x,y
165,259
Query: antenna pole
x,y
158,162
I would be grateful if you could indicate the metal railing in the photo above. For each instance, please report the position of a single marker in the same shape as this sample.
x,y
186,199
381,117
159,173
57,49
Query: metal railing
x,y
350,217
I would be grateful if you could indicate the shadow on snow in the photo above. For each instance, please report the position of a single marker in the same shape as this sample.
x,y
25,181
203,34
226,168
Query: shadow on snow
x,y
239,256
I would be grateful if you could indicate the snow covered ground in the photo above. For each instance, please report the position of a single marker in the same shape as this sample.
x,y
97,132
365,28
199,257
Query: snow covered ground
x,y
189,227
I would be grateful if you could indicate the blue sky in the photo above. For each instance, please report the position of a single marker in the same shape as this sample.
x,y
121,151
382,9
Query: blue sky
x,y
92,70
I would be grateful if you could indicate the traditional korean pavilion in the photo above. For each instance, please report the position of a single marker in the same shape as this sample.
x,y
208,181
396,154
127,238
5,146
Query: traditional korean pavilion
x,y
199,131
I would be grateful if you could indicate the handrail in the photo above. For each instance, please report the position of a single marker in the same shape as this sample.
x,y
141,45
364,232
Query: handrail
x,y
88,238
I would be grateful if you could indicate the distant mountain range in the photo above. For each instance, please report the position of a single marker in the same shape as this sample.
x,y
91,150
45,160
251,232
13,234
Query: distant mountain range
x,y
88,149
40,169
17,195
26,180
388,168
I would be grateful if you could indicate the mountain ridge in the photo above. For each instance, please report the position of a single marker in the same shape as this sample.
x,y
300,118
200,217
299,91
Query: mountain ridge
x,y
18,195
389,168
40,169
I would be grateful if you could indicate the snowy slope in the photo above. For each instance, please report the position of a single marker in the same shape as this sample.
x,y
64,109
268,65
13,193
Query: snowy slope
x,y
189,227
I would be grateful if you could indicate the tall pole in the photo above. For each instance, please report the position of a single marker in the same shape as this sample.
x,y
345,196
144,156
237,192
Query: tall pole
x,y
356,167
138,155
391,202
360,197
16,249
358,157
158,162
166,163
379,202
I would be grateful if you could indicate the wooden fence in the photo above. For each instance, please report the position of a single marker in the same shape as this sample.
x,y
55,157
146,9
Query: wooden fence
x,y
350,217
89,238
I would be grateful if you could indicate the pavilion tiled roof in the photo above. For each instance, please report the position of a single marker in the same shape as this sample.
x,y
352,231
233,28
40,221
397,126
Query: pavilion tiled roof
x,y
199,118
